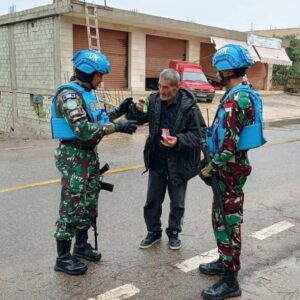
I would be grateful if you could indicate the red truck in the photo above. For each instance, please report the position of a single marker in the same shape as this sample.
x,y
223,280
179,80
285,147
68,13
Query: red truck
x,y
193,79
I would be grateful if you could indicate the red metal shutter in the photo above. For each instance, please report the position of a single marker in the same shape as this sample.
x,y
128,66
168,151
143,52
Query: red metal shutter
x,y
159,52
206,53
80,40
114,44
257,75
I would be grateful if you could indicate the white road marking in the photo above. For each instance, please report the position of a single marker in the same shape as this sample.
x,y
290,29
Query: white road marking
x,y
121,292
128,290
194,262
271,230
206,257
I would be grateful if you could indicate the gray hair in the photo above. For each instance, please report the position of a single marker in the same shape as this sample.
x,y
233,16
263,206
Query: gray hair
x,y
170,74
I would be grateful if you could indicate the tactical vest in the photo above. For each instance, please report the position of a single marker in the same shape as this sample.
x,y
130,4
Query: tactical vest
x,y
252,136
92,105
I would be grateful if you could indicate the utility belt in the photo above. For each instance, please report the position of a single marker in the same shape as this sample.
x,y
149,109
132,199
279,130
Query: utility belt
x,y
76,144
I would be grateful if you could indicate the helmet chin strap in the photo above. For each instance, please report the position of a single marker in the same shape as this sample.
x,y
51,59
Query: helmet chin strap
x,y
86,78
92,86
225,79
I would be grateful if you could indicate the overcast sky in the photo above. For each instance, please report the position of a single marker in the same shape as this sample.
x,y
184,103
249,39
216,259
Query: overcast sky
x,y
231,14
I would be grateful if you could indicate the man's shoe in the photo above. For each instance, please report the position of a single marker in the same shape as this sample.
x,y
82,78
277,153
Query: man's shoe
x,y
212,268
65,262
174,242
227,287
150,240
82,249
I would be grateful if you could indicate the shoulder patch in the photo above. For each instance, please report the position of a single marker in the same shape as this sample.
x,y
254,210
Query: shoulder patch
x,y
71,103
69,96
243,99
66,94
228,107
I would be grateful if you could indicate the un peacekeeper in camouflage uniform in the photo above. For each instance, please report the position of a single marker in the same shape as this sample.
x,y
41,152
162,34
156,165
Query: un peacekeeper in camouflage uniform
x,y
78,162
232,168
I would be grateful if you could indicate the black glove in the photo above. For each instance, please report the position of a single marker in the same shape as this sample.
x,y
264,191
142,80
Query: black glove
x,y
126,126
207,180
123,107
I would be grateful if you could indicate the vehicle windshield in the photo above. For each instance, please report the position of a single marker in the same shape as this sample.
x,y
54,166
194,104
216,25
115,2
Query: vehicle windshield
x,y
194,76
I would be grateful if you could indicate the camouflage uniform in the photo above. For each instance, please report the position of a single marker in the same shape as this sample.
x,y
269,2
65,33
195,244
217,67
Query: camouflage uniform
x,y
78,166
232,168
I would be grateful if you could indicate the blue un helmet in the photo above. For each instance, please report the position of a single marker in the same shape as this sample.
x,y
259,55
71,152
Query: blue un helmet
x,y
231,57
90,61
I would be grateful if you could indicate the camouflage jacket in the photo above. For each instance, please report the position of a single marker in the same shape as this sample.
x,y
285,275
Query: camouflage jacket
x,y
238,113
70,105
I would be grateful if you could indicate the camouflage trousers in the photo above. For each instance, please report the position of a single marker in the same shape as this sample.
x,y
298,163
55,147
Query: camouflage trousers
x,y
79,192
231,182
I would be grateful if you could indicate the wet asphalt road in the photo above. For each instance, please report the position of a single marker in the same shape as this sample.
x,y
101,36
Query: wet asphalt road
x,y
27,218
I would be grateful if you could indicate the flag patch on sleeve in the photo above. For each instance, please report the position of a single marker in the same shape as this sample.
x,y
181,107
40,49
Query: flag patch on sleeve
x,y
228,107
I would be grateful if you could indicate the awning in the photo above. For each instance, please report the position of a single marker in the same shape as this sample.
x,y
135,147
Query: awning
x,y
273,56
220,42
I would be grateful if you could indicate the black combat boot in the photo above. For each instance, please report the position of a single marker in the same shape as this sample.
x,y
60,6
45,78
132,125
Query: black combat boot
x,y
227,287
83,249
65,262
213,268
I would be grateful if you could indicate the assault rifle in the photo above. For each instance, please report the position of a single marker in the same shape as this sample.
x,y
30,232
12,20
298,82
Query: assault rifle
x,y
213,181
101,186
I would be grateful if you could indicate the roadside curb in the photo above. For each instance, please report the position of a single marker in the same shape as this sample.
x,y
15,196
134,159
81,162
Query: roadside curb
x,y
281,122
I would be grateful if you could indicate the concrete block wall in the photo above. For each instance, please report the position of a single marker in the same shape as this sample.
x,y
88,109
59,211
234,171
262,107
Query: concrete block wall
x,y
34,54
4,58
25,108
66,47
27,60
6,97
6,111
28,122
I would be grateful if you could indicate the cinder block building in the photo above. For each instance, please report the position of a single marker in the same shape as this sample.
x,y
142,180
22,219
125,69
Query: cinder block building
x,y
37,46
280,32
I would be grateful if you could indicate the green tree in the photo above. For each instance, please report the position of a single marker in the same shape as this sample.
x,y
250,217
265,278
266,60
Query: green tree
x,y
281,74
